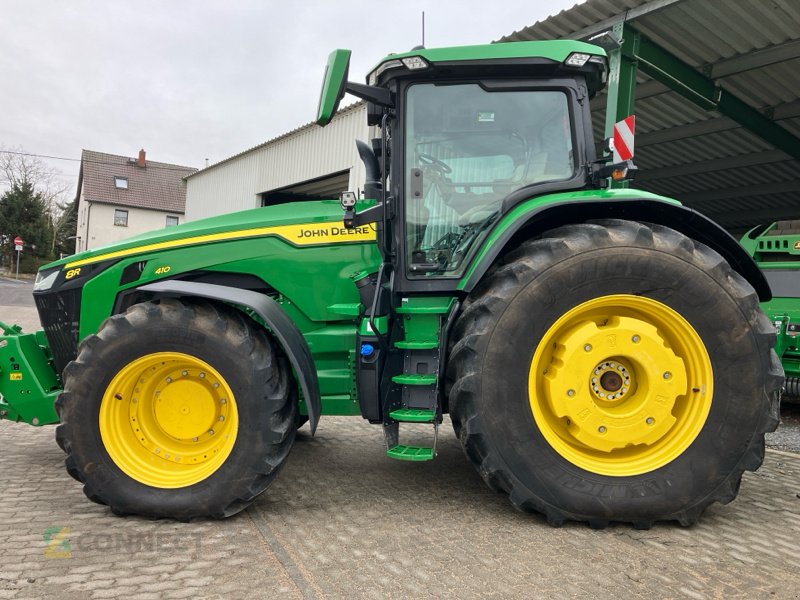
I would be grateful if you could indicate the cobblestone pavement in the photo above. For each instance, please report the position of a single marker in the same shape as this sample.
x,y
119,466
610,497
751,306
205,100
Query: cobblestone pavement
x,y
344,521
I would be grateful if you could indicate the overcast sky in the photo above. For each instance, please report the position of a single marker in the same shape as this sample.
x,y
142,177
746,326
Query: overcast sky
x,y
190,80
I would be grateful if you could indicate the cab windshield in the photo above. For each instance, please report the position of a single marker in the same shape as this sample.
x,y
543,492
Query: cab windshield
x,y
471,148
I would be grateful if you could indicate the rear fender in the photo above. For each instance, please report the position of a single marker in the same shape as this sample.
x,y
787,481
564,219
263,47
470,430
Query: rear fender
x,y
685,220
29,385
281,326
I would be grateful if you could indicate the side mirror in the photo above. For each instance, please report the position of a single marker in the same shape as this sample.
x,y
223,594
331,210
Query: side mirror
x,y
334,84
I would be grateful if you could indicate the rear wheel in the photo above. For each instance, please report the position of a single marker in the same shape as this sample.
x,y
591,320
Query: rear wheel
x,y
177,410
614,372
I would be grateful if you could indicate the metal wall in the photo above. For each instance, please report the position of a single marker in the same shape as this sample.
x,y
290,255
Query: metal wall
x,y
308,152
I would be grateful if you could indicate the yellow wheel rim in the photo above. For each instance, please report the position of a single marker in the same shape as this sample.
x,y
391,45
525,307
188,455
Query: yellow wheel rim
x,y
620,385
168,420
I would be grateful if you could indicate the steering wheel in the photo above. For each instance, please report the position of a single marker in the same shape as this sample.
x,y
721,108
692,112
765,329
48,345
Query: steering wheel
x,y
432,161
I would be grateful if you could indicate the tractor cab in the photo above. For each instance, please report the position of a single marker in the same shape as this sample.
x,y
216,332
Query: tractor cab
x,y
467,134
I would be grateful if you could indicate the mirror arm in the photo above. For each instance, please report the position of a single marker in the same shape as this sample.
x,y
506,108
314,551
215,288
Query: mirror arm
x,y
373,214
377,95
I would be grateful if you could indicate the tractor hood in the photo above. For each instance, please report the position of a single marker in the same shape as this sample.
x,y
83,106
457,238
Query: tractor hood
x,y
285,220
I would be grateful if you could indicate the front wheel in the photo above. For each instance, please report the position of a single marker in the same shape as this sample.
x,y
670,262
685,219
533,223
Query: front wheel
x,y
614,371
177,409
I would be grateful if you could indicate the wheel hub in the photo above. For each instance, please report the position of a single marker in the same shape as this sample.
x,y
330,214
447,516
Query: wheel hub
x,y
610,381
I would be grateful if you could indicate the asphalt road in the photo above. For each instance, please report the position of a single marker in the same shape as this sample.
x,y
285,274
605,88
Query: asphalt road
x,y
15,292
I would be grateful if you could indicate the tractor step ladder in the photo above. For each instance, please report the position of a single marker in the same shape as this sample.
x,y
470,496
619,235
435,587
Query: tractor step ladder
x,y
419,382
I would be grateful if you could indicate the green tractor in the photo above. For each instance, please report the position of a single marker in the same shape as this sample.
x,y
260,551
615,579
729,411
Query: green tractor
x,y
776,249
600,351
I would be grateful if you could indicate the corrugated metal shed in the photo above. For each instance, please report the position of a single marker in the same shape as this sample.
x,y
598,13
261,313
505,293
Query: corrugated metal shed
x,y
749,47
297,160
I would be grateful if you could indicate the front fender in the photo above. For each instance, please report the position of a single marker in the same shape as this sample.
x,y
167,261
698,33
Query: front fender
x,y
531,220
281,326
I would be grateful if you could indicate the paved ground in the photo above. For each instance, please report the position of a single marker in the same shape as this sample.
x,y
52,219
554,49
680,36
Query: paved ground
x,y
343,521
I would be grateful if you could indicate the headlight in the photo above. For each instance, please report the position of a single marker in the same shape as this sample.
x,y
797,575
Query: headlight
x,y
577,59
389,64
44,281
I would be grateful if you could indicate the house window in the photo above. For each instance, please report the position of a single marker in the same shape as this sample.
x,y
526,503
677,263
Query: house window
x,y
171,221
121,183
120,217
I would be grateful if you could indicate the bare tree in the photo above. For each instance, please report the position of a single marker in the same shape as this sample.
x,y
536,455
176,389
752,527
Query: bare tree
x,y
18,169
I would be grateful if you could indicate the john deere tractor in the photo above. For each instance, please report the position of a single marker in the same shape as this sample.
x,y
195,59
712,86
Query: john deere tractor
x,y
776,249
600,350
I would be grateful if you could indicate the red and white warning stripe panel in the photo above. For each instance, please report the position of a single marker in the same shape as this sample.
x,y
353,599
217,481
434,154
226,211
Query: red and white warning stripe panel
x,y
623,138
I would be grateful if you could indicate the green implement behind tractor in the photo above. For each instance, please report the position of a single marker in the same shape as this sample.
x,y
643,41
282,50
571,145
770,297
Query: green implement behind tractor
x,y
776,249
601,352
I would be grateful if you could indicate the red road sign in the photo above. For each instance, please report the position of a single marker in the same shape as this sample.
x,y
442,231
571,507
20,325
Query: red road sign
x,y
623,139
18,241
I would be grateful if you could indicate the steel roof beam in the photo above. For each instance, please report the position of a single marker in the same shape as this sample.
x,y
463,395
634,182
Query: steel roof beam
x,y
758,189
629,15
690,83
716,164
754,60
698,128
763,215
689,130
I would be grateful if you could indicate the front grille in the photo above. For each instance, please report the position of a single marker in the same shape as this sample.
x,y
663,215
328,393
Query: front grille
x,y
59,313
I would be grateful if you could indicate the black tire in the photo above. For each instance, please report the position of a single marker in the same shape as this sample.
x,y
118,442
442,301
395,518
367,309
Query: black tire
x,y
238,349
494,341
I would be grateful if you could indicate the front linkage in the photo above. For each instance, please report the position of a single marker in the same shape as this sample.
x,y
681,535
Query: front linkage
x,y
29,385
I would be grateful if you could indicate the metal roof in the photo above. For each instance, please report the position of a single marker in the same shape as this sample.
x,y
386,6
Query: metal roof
x,y
751,48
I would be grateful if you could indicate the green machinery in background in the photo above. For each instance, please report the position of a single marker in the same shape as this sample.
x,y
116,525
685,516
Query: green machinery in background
x,y
600,350
776,249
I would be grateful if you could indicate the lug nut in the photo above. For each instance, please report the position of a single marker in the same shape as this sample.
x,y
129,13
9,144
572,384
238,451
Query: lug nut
x,y
184,373
570,393
635,339
169,379
667,375
588,347
650,420
202,375
602,429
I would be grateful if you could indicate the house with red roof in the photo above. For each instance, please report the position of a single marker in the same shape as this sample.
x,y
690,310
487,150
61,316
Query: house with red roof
x,y
120,196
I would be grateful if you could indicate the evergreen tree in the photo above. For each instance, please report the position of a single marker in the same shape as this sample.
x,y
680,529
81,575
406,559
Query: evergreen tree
x,y
24,213
66,228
